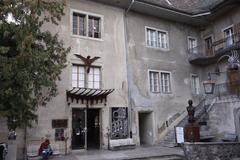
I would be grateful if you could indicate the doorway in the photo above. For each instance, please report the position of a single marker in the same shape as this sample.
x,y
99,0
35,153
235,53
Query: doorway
x,y
145,128
80,138
78,128
93,125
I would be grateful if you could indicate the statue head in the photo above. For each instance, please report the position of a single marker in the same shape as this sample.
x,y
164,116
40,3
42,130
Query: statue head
x,y
190,102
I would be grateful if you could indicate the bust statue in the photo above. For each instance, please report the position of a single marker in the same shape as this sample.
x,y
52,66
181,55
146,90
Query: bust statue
x,y
191,111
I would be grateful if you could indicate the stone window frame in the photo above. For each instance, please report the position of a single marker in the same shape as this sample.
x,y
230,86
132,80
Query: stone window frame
x,y
87,14
160,90
157,39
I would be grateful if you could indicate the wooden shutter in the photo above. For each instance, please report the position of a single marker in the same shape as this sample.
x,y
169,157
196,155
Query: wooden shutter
x,y
236,28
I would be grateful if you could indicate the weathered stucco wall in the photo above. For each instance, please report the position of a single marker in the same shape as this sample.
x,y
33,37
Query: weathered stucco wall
x,y
224,117
111,49
142,58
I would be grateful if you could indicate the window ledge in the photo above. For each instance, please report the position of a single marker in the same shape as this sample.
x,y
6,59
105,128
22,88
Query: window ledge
x,y
161,94
161,49
87,38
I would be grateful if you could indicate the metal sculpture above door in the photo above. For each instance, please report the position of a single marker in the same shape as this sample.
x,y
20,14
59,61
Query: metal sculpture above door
x,y
87,61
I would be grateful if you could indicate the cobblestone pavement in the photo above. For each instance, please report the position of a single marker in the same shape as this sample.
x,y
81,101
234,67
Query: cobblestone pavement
x,y
140,153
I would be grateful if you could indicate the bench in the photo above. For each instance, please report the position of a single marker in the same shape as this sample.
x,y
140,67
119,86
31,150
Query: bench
x,y
119,144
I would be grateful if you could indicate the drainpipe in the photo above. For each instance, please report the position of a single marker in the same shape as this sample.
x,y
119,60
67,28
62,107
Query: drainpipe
x,y
127,69
129,7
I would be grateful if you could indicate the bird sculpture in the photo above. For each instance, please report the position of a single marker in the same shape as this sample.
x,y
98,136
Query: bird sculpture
x,y
87,61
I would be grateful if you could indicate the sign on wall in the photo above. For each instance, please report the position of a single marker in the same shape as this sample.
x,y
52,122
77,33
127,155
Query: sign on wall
x,y
59,123
119,123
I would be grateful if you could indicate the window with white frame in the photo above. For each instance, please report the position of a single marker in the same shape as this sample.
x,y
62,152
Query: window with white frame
x,y
195,85
228,35
94,78
192,44
86,25
165,82
154,81
82,79
160,81
156,38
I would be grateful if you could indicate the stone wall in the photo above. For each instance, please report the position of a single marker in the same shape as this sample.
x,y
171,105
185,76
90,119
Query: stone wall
x,y
211,150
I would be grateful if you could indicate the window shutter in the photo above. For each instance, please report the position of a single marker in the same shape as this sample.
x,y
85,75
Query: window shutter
x,y
236,28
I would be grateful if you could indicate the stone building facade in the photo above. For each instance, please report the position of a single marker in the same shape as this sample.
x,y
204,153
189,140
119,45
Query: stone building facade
x,y
92,104
132,67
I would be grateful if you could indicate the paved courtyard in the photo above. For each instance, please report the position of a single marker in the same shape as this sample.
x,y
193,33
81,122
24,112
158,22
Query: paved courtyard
x,y
139,153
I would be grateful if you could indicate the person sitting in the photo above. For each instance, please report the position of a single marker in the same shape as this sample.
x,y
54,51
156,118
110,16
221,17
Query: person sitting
x,y
45,149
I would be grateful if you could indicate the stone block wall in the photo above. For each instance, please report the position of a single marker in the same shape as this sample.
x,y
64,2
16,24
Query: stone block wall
x,y
211,150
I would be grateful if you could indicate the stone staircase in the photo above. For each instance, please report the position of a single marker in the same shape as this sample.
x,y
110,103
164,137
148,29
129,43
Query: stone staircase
x,y
201,117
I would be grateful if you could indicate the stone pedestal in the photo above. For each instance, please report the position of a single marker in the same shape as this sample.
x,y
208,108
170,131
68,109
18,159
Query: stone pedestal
x,y
192,133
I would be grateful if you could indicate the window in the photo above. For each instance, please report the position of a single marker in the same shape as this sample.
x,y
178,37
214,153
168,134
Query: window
x,y
192,44
208,46
154,81
78,76
94,78
165,82
160,81
228,35
195,84
86,25
79,22
156,38
94,27
82,79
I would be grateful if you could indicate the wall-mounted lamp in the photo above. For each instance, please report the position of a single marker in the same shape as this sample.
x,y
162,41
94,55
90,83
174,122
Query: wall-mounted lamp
x,y
208,85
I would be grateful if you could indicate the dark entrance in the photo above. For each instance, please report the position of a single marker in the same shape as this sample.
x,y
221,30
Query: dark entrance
x,y
145,128
79,138
93,125
78,131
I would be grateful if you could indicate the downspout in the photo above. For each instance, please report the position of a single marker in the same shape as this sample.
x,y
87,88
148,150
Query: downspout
x,y
127,68
129,7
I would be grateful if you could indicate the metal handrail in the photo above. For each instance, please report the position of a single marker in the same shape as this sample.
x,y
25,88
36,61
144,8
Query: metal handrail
x,y
225,43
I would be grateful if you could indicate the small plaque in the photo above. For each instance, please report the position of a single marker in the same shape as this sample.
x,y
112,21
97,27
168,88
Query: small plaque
x,y
59,123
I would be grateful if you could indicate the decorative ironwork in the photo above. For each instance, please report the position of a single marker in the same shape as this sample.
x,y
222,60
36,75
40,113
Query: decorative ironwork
x,y
119,123
202,56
